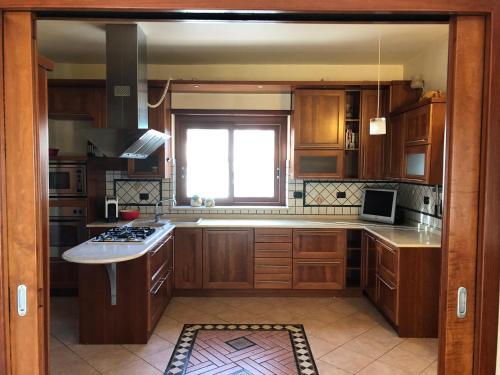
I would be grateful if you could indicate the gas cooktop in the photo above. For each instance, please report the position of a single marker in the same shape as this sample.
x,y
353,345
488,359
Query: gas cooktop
x,y
125,234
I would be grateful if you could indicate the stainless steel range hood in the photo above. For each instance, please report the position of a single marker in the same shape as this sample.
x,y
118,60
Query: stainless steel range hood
x,y
126,134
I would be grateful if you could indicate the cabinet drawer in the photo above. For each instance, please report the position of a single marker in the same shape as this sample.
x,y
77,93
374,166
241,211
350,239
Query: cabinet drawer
x,y
160,255
273,235
273,265
319,244
388,261
273,281
159,295
273,250
318,274
387,294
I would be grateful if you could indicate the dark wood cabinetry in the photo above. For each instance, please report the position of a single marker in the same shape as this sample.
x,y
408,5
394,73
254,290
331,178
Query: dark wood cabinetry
x,y
317,243
228,258
404,284
394,147
318,274
318,163
188,258
372,146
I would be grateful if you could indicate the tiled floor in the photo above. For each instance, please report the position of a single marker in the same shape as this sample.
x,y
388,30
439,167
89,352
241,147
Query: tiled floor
x,y
347,336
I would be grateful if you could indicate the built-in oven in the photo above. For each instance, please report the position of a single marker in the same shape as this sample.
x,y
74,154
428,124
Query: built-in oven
x,y
67,179
67,229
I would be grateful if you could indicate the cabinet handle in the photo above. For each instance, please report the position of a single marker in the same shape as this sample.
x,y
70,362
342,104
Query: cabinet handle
x,y
391,287
271,266
160,283
274,251
272,282
153,252
336,262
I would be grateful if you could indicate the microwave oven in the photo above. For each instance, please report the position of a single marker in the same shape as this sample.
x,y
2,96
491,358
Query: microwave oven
x,y
67,180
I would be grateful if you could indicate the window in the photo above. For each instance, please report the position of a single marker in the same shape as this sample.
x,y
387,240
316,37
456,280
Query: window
x,y
235,159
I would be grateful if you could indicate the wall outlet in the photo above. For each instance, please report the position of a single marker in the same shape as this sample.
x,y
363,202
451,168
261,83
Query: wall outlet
x,y
298,194
427,200
341,194
144,196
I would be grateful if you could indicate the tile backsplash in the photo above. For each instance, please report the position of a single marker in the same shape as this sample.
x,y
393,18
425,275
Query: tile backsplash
x,y
421,203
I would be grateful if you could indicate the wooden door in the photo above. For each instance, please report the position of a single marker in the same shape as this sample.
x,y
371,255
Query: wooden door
x,y
396,156
188,258
372,146
228,258
417,126
371,260
318,118
318,274
319,244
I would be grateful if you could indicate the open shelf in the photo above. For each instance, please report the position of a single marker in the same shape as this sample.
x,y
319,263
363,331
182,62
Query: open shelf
x,y
354,259
352,133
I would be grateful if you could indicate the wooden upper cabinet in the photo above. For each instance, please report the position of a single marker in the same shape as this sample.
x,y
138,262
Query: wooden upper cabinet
x,y
372,146
228,258
318,163
77,100
157,165
188,258
318,118
394,146
418,122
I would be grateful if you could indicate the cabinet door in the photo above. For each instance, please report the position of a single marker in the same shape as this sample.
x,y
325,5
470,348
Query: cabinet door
x,y
318,118
370,254
318,163
397,146
387,298
159,295
228,258
416,163
319,244
417,125
156,165
387,264
372,146
188,258
318,274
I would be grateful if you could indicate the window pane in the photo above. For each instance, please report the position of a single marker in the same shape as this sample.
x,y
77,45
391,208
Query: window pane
x,y
207,172
254,173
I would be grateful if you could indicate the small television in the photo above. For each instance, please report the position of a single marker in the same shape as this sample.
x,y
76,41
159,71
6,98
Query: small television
x,y
379,205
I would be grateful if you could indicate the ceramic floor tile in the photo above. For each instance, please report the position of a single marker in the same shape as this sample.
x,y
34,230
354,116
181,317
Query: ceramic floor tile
x,y
405,360
326,315
160,359
347,360
155,344
65,362
324,368
54,343
105,357
134,368
319,346
380,368
423,347
374,342
432,369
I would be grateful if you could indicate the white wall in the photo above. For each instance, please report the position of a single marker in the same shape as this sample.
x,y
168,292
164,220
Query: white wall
x,y
431,64
257,72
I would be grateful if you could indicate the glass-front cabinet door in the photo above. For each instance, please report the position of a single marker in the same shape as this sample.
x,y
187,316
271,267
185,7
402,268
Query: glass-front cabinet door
x,y
318,163
416,163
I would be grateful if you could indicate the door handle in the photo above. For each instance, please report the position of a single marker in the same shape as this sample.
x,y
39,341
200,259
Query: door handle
x,y
462,302
21,300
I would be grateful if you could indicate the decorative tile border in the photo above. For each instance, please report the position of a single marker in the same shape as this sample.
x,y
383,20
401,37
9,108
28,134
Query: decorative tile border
x,y
128,191
302,352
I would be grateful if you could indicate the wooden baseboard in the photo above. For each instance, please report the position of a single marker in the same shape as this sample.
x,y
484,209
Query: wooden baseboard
x,y
354,292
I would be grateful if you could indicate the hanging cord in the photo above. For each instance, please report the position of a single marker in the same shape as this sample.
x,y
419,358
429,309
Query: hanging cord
x,y
156,105
378,78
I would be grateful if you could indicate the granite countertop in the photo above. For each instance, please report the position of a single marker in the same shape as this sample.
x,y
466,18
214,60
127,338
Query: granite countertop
x,y
400,236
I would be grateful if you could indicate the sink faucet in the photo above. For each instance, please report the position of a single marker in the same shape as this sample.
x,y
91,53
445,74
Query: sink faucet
x,y
157,206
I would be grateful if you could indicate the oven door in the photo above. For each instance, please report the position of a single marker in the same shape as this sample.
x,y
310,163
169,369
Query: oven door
x,y
67,181
66,233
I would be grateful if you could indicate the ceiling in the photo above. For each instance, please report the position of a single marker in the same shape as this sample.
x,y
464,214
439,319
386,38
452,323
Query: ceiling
x,y
245,42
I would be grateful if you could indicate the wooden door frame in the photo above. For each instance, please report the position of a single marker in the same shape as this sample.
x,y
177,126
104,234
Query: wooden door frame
x,y
488,241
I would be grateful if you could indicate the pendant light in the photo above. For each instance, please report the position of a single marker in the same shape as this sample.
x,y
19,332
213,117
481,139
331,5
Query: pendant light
x,y
377,124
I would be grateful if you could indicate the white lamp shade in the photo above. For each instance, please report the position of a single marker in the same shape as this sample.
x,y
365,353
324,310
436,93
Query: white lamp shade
x,y
377,125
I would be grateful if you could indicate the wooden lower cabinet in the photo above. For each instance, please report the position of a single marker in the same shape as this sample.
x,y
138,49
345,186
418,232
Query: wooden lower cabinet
x,y
228,258
318,274
319,243
404,285
144,288
188,258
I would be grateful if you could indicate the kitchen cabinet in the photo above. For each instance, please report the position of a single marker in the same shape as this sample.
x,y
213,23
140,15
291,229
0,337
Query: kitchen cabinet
x,y
372,146
318,118
77,100
318,163
394,147
403,283
273,258
63,277
319,258
228,258
158,164
144,288
188,258
417,163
